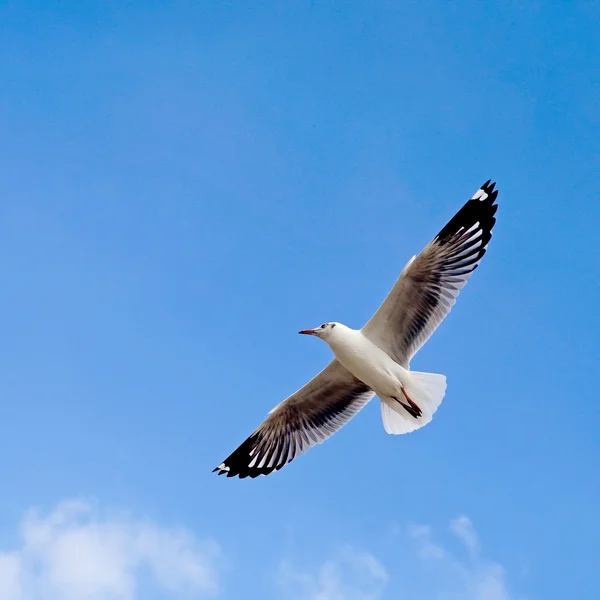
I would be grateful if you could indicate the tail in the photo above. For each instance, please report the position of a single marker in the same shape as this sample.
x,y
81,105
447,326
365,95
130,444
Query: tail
x,y
426,391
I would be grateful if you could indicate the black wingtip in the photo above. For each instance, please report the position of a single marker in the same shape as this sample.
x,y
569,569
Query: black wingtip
x,y
237,464
478,208
488,186
219,470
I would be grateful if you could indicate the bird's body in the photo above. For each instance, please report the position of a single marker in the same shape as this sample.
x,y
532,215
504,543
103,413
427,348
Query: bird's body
x,y
376,359
408,398
367,361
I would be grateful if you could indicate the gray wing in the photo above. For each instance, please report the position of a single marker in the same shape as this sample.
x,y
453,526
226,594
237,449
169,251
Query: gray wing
x,y
308,417
430,283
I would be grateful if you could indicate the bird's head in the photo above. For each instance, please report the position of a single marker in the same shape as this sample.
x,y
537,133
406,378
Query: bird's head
x,y
325,331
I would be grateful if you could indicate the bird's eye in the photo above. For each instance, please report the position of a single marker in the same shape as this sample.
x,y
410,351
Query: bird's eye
x,y
324,325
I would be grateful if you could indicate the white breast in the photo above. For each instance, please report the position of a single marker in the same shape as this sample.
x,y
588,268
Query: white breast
x,y
367,362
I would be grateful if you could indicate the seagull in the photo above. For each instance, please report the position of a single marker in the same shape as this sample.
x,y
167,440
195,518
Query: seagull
x,y
375,360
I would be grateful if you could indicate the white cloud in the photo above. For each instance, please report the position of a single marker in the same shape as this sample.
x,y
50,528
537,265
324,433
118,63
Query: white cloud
x,y
77,553
464,531
426,547
420,567
352,575
10,571
473,578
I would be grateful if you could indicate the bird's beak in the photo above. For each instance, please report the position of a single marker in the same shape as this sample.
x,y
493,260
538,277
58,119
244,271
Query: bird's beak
x,y
308,331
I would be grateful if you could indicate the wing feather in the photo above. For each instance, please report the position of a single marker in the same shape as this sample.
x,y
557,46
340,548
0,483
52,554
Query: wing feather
x,y
308,417
430,283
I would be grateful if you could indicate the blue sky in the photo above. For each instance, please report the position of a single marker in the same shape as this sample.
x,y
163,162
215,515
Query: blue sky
x,y
184,186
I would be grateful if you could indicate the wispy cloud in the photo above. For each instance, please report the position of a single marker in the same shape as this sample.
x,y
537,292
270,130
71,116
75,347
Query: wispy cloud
x,y
76,553
417,566
473,577
351,575
464,531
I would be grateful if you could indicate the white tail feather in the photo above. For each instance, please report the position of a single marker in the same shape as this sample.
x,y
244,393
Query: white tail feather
x,y
427,390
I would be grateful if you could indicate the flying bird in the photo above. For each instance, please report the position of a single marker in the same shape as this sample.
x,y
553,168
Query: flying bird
x,y
375,360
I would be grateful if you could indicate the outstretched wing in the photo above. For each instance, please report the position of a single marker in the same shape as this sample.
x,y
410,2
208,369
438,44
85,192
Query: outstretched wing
x,y
430,283
308,417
